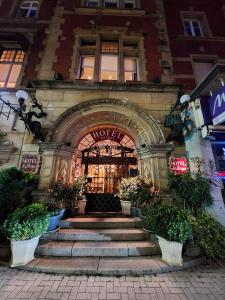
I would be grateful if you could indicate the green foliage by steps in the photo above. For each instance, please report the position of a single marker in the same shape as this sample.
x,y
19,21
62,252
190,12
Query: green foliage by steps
x,y
14,188
26,223
194,190
169,222
210,235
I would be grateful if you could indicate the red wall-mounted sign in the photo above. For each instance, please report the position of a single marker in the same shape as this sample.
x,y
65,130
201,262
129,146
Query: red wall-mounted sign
x,y
30,163
107,134
178,165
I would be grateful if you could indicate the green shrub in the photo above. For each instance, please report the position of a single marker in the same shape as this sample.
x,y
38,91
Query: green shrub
x,y
26,223
14,189
169,222
194,190
210,235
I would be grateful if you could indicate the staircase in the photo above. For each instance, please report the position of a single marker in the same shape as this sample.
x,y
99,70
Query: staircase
x,y
97,245
98,237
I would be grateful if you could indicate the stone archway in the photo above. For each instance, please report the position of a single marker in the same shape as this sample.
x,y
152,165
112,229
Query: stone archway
x,y
78,120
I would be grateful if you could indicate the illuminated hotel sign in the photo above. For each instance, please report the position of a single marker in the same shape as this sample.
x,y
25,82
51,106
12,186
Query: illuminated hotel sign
x,y
217,106
178,165
30,163
107,134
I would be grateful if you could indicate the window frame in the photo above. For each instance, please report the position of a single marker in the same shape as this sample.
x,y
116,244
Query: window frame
x,y
12,63
29,9
192,27
120,4
136,53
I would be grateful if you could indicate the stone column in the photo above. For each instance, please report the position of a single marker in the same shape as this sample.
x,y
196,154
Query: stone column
x,y
197,147
155,163
48,153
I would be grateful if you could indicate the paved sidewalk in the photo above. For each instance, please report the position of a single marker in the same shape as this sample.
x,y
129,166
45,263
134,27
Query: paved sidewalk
x,y
205,282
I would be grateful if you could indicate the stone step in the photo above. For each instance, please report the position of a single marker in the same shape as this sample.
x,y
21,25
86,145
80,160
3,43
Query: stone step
x,y
97,249
100,223
118,266
96,235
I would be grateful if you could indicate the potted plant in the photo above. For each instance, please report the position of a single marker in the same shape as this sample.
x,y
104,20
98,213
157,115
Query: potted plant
x,y
172,227
81,186
24,227
56,212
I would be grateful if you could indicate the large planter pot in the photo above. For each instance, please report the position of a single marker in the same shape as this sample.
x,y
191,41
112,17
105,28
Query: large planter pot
x,y
22,252
126,207
54,220
192,250
145,223
71,212
171,252
81,204
139,212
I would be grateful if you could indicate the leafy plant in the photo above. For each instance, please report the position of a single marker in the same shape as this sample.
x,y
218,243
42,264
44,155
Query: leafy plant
x,y
66,194
210,235
169,222
15,187
26,223
193,189
136,190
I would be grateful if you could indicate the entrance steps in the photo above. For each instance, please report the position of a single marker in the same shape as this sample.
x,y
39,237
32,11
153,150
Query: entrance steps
x,y
98,237
93,245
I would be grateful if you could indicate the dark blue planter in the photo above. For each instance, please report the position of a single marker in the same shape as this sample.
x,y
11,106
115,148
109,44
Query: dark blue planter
x,y
134,211
54,220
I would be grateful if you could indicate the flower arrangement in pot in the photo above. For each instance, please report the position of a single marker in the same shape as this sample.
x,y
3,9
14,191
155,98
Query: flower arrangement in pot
x,y
24,227
172,227
56,212
81,186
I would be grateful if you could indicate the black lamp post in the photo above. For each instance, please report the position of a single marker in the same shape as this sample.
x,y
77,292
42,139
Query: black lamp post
x,y
32,126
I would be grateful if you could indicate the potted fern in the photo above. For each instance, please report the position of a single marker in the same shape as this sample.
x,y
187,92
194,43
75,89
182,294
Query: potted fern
x,y
24,227
172,227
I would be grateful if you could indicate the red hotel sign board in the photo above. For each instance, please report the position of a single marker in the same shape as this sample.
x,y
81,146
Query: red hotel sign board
x,y
107,134
30,163
178,165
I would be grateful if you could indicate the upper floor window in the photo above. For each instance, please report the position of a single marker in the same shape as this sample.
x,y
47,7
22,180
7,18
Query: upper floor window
x,y
28,9
114,59
193,28
112,3
11,62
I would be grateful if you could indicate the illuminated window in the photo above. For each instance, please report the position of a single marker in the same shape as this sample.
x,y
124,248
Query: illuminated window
x,y
109,61
131,69
108,58
193,28
86,69
11,62
129,4
28,9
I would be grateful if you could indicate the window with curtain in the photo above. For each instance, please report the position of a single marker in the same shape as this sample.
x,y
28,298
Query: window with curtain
x,y
11,62
86,68
193,28
130,69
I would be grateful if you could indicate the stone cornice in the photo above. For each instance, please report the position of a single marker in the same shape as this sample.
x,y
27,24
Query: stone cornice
x,y
109,86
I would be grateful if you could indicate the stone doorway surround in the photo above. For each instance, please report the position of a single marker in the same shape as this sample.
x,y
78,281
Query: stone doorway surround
x,y
74,123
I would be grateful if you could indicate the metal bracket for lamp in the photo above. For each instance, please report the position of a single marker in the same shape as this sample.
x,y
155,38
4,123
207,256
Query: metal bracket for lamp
x,y
31,125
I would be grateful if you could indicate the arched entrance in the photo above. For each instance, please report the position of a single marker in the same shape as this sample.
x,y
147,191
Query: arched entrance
x,y
135,143
105,155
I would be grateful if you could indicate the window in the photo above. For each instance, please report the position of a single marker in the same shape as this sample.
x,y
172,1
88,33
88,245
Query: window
x,y
130,69
129,3
10,67
111,3
93,3
108,59
28,9
193,28
86,69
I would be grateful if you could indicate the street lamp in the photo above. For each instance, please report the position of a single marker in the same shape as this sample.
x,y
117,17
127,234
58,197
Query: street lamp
x,y
32,126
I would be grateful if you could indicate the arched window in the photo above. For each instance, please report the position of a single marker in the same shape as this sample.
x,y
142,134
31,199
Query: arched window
x,y
29,9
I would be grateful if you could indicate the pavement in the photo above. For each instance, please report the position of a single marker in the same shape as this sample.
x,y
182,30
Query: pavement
x,y
199,283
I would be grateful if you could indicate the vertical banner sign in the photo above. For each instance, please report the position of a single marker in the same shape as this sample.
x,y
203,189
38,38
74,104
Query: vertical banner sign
x,y
178,165
30,163
217,106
